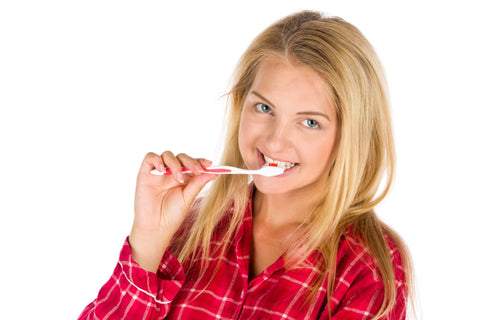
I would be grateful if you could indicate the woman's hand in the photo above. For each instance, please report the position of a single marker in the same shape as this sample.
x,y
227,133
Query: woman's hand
x,y
162,202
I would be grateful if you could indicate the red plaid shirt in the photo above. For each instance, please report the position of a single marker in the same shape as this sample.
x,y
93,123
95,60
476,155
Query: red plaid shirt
x,y
133,293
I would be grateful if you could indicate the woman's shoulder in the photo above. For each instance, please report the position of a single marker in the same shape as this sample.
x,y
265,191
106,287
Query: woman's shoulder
x,y
359,276
355,255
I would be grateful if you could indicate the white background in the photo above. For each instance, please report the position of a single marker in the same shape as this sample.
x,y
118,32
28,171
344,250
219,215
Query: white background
x,y
88,87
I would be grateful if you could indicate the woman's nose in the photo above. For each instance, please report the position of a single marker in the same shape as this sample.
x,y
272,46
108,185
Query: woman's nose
x,y
279,137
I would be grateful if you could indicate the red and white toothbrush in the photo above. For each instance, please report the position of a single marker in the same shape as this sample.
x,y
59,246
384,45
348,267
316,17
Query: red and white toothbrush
x,y
267,171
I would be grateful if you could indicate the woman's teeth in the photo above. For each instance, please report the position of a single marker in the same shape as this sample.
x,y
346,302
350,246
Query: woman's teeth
x,y
281,164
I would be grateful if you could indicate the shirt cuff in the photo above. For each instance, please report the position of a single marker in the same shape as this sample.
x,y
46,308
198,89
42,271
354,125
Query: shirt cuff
x,y
162,286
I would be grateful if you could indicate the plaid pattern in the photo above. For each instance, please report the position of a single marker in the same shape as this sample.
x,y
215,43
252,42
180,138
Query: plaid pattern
x,y
133,293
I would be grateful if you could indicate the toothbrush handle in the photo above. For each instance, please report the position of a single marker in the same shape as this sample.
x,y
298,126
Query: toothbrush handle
x,y
212,170
217,170
168,172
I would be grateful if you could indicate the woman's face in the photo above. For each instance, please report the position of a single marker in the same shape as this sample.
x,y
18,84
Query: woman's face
x,y
288,119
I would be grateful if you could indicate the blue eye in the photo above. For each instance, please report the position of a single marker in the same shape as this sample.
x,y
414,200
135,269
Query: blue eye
x,y
263,108
310,123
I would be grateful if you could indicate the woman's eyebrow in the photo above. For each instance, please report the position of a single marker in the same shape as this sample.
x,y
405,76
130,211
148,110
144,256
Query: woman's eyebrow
x,y
313,113
305,113
270,104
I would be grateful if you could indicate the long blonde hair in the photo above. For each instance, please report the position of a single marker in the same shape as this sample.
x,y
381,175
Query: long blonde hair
x,y
365,158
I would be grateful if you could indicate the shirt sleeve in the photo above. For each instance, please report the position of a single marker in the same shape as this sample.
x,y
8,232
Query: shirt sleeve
x,y
134,293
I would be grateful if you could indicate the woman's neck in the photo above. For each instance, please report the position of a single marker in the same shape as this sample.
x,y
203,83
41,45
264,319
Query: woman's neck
x,y
281,209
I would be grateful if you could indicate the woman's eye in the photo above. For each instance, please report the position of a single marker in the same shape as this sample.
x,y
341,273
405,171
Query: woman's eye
x,y
263,108
310,123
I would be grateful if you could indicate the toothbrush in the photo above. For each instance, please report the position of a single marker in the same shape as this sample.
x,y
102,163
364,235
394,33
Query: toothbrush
x,y
267,171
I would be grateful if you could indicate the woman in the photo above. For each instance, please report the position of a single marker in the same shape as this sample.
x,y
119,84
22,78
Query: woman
x,y
309,96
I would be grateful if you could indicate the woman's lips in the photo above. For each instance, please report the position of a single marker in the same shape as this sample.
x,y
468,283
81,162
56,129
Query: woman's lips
x,y
288,171
261,159
262,163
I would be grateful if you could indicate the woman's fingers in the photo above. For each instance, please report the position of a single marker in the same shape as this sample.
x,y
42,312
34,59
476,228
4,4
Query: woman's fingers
x,y
182,160
204,162
200,179
191,163
196,185
152,161
175,163
172,162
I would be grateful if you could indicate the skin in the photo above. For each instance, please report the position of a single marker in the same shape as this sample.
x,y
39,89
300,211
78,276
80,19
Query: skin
x,y
288,117
161,204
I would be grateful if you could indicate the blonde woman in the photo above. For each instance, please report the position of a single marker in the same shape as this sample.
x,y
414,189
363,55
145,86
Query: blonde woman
x,y
309,95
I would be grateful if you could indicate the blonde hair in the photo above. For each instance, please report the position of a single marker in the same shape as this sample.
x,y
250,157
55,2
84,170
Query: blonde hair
x,y
365,152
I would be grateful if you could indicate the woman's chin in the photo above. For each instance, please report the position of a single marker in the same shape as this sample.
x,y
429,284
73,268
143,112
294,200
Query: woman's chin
x,y
269,185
